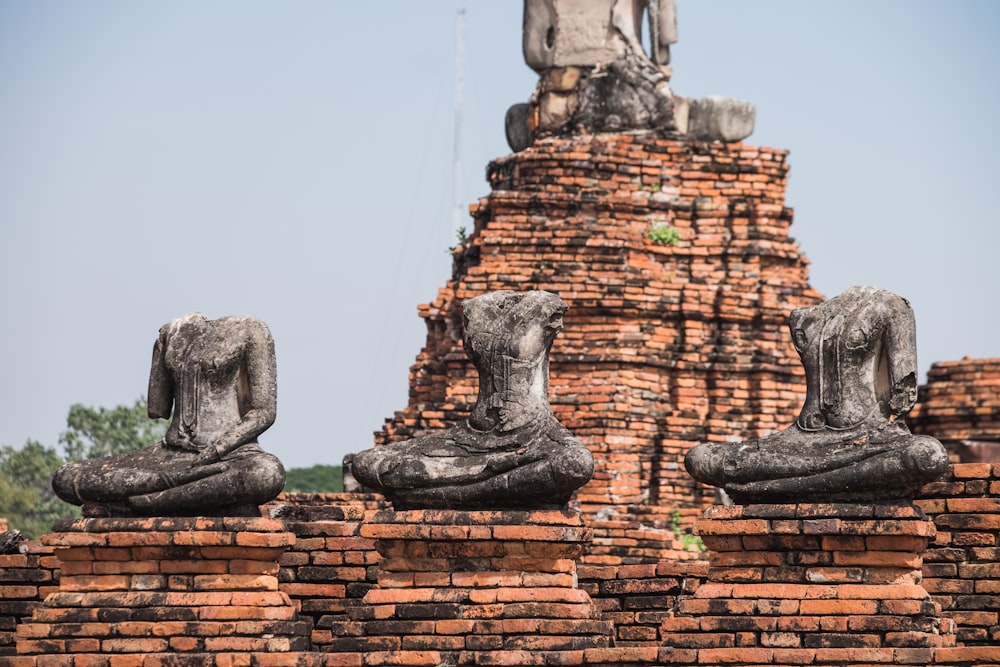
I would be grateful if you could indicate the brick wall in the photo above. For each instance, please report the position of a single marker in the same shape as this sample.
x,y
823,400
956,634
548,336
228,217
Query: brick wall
x,y
329,568
960,406
638,598
150,588
962,563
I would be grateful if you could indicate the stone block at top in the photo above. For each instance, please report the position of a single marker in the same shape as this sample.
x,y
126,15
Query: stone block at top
x,y
580,33
596,76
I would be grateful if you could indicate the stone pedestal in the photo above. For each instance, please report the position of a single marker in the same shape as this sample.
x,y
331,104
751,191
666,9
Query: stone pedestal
x,y
477,587
196,588
811,583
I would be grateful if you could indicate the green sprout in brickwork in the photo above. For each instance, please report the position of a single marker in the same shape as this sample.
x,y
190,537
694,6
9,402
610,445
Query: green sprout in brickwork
x,y
663,234
688,540
461,235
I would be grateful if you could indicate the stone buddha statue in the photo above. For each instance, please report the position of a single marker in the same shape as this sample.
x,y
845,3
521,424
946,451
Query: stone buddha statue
x,y
850,441
218,380
511,452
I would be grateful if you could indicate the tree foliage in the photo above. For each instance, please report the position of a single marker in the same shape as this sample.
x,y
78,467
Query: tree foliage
x,y
93,432
26,496
316,479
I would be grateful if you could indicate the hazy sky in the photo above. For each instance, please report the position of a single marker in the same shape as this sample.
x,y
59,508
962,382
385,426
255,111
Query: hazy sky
x,y
292,161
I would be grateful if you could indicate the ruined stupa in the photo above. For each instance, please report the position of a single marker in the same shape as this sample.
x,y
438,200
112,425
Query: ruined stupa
x,y
671,250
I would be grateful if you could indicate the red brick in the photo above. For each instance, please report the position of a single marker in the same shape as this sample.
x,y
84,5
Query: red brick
x,y
838,606
405,658
975,655
736,656
881,591
969,505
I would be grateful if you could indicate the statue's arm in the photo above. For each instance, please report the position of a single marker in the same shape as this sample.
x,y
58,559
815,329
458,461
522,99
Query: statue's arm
x,y
901,352
161,387
261,397
665,29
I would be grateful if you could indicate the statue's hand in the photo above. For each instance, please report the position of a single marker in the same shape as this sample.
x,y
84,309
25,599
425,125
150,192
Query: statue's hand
x,y
210,454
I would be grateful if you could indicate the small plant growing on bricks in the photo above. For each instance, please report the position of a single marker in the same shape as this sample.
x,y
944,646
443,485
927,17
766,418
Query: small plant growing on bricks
x,y
689,540
663,234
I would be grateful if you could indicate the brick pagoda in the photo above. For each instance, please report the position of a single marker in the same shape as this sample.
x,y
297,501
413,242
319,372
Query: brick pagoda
x,y
960,406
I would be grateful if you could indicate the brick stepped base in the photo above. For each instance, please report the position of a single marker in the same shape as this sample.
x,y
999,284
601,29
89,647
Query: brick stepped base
x,y
961,403
330,567
26,578
476,588
811,583
164,586
641,534
638,598
962,565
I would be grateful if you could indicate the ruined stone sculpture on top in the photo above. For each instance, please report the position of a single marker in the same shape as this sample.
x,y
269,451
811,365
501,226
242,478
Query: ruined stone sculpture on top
x,y
511,453
218,379
597,77
850,441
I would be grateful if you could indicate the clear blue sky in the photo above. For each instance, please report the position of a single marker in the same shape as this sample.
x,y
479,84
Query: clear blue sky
x,y
292,161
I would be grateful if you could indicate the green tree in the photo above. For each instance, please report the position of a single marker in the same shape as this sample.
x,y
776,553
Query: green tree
x,y
93,432
26,496
316,479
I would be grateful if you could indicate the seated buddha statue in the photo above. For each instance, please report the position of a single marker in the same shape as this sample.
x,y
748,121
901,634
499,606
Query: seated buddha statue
x,y
217,378
850,441
511,453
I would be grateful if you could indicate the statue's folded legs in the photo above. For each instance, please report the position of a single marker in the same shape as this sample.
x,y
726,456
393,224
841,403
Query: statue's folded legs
x,y
218,379
850,441
511,452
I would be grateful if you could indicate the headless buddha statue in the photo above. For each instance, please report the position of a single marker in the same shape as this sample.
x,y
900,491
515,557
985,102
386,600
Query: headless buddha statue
x,y
511,453
218,379
850,441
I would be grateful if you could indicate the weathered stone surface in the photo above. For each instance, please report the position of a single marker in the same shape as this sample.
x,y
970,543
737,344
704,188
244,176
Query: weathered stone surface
x,y
556,110
10,541
516,126
716,118
218,379
628,94
558,33
511,452
595,74
850,441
